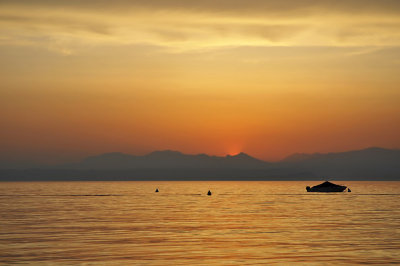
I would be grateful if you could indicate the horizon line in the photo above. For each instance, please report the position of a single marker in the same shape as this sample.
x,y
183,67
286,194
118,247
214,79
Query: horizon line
x,y
197,154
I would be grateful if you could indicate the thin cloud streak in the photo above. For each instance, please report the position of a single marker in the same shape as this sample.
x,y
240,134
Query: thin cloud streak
x,y
181,28
254,7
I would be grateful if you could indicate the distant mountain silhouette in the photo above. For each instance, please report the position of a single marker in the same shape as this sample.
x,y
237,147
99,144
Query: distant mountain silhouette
x,y
166,159
366,164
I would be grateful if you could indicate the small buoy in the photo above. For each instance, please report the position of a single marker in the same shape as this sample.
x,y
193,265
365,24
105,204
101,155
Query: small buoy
x,y
348,190
209,193
156,189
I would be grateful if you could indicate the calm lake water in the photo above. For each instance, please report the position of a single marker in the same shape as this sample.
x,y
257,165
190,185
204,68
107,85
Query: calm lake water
x,y
242,223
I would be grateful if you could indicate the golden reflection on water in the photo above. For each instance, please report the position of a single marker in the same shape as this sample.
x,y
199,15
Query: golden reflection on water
x,y
242,223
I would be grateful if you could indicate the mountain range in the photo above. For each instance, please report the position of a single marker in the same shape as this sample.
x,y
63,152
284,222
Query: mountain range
x,y
366,164
167,159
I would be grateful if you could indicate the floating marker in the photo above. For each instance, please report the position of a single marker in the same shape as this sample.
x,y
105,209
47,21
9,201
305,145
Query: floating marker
x,y
209,193
156,189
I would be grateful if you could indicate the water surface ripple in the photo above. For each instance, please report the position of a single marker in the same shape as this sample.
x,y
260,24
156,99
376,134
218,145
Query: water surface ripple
x,y
242,223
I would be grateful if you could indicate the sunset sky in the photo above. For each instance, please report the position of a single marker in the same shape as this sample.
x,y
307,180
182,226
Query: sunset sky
x,y
269,78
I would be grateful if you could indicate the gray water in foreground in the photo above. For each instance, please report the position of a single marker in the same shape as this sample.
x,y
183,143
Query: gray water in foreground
x,y
242,223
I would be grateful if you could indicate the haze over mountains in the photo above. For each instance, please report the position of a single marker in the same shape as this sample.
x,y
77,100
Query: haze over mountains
x,y
168,159
366,164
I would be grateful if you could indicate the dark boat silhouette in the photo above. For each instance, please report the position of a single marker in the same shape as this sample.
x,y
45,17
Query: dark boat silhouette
x,y
209,193
326,187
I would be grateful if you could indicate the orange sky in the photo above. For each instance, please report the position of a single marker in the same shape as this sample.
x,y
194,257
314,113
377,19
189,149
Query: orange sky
x,y
268,78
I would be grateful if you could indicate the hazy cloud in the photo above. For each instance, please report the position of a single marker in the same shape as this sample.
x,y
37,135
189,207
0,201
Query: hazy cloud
x,y
264,7
186,25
